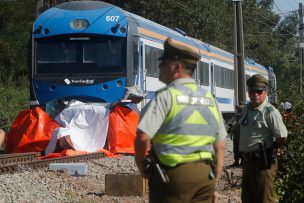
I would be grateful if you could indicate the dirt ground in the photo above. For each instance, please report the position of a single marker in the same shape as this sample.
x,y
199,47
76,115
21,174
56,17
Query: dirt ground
x,y
231,180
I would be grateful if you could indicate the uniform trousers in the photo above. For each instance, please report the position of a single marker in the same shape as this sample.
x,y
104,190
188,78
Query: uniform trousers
x,y
189,182
258,182
236,143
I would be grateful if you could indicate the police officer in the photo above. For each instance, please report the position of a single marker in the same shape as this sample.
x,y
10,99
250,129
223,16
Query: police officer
x,y
287,106
186,129
289,118
260,124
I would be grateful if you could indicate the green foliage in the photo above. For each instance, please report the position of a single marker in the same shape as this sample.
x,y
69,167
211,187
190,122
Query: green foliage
x,y
14,38
16,18
290,183
209,21
12,101
261,23
287,62
268,39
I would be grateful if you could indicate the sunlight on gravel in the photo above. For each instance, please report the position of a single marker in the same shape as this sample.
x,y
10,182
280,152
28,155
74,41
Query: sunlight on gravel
x,y
48,186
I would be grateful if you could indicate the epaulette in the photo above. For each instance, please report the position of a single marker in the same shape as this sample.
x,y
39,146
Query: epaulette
x,y
161,90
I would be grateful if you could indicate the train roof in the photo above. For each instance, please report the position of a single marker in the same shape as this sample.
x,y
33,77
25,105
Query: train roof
x,y
158,32
148,28
67,11
96,10
81,6
256,68
58,19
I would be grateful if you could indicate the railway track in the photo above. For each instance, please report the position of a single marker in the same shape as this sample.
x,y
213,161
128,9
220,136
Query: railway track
x,y
18,157
10,163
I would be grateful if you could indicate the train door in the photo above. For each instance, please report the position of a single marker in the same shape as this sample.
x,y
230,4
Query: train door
x,y
223,85
141,68
140,72
149,68
212,79
202,74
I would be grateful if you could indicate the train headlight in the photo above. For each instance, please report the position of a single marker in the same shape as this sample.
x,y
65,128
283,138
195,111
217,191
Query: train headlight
x,y
79,24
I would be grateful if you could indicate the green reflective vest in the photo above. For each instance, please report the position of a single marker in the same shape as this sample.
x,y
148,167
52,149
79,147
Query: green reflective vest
x,y
189,130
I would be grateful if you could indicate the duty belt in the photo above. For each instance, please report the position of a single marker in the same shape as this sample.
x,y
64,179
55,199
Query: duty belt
x,y
206,161
250,156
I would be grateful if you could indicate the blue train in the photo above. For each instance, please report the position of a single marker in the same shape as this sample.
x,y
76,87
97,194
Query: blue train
x,y
92,50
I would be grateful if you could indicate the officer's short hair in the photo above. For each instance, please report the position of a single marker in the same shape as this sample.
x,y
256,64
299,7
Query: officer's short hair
x,y
189,67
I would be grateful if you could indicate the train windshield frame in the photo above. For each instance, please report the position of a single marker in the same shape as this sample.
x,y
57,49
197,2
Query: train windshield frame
x,y
80,56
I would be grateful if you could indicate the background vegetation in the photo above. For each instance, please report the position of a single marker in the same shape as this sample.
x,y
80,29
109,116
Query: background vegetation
x,y
12,100
270,39
16,18
290,182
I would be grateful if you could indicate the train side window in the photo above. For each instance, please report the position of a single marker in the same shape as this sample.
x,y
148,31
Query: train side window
x,y
152,63
224,77
218,75
203,73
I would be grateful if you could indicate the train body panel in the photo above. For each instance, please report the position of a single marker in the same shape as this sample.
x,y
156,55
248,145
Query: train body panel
x,y
113,49
64,19
79,52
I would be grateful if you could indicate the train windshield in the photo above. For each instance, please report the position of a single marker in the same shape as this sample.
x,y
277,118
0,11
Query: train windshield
x,y
80,56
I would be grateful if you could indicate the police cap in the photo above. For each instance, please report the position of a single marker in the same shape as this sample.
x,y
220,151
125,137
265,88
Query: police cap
x,y
177,51
257,82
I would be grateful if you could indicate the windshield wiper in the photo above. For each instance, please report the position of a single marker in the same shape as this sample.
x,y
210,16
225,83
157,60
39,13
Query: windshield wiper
x,y
112,48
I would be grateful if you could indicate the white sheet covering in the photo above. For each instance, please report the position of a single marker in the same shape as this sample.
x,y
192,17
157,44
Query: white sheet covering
x,y
86,123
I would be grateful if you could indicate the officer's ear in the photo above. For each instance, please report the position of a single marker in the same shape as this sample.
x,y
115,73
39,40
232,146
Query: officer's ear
x,y
178,67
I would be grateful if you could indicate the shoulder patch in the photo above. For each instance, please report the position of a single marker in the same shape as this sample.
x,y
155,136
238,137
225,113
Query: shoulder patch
x,y
270,108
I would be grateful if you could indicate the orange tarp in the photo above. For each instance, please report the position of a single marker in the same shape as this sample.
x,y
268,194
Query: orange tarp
x,y
32,129
30,132
122,129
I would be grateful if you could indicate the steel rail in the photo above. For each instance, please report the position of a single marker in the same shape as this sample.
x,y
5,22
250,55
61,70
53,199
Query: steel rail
x,y
18,157
36,164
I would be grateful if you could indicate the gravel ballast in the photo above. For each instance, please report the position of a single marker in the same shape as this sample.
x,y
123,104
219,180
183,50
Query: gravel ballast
x,y
50,186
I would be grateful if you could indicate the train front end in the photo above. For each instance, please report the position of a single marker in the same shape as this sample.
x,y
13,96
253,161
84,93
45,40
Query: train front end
x,y
79,52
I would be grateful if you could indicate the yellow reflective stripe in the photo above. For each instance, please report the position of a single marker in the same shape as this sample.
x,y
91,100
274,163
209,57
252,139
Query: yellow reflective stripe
x,y
183,140
196,118
174,107
170,114
213,108
191,86
173,159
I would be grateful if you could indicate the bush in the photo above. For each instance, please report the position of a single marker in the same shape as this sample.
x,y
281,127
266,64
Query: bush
x,y
12,100
290,182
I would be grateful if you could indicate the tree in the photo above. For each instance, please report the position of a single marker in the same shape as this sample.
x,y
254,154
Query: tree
x,y
14,38
209,21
